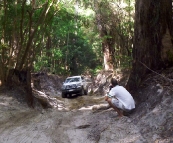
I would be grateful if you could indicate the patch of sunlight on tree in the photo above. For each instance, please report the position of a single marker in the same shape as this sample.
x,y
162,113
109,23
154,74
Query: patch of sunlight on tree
x,y
86,12
28,2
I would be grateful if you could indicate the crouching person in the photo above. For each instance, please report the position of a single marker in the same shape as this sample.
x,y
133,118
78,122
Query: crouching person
x,y
120,99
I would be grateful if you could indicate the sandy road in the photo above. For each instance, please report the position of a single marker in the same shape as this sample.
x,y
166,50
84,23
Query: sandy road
x,y
78,123
20,124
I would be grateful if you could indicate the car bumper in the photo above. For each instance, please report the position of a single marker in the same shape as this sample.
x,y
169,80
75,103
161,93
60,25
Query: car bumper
x,y
72,91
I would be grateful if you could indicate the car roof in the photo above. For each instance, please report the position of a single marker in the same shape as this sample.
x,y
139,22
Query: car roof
x,y
73,76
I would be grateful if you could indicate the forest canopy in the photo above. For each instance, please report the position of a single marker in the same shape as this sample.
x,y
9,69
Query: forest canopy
x,y
69,37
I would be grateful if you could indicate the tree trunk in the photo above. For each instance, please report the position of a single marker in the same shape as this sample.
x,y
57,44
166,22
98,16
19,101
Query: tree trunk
x,y
152,21
22,79
28,89
108,56
107,46
107,36
21,62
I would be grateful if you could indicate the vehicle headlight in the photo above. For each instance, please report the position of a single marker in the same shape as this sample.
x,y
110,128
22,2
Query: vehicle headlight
x,y
63,87
78,85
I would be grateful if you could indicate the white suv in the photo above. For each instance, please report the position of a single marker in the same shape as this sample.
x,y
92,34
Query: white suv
x,y
75,85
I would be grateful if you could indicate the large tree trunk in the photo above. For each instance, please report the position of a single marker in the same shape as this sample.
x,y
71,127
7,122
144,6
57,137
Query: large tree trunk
x,y
108,53
22,79
106,34
153,20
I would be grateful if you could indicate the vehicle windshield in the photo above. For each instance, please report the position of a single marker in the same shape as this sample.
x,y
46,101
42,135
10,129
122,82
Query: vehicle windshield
x,y
76,79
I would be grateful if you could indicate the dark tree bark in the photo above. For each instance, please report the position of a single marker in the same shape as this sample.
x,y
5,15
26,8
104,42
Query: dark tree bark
x,y
22,79
28,88
153,20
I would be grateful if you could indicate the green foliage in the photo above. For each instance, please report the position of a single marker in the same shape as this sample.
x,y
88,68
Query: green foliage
x,y
72,49
116,27
67,40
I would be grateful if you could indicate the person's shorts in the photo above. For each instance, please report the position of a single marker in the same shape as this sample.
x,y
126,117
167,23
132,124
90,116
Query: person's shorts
x,y
118,104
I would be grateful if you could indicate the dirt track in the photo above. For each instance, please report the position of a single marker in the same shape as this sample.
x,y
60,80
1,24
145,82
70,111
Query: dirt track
x,y
78,123
52,125
83,120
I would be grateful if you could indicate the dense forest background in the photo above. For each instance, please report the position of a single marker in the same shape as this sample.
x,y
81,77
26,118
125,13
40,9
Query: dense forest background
x,y
44,41
70,37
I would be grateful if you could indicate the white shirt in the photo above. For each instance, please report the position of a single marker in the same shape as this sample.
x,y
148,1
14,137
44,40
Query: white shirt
x,y
123,96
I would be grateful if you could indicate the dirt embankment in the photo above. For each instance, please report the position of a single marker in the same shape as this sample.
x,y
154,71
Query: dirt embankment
x,y
82,118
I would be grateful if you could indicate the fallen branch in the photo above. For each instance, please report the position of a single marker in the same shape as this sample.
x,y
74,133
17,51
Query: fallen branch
x,y
46,101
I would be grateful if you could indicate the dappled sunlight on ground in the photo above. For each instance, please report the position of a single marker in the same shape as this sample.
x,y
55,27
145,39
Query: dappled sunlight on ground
x,y
83,102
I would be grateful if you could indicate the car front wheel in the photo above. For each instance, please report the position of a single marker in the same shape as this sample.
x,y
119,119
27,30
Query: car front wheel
x,y
64,95
85,91
82,91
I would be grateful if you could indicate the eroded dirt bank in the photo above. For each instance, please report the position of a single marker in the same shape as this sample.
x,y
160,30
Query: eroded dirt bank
x,y
82,118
